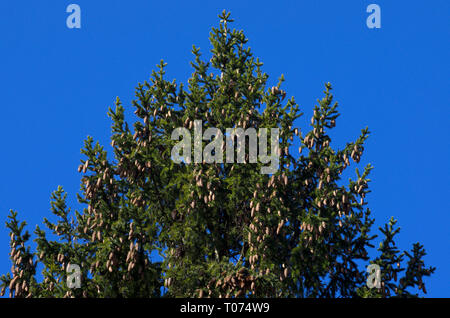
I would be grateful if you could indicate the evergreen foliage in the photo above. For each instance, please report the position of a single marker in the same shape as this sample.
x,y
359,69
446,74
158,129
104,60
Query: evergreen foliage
x,y
221,229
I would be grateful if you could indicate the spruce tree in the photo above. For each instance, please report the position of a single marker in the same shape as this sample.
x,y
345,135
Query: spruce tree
x,y
151,227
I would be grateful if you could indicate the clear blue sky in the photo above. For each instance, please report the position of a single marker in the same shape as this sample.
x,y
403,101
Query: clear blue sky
x,y
56,85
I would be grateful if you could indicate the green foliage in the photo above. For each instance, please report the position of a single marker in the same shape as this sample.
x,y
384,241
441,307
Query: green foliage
x,y
390,262
221,229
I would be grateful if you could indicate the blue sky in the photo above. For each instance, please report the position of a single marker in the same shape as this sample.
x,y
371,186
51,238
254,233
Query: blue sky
x,y
57,83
